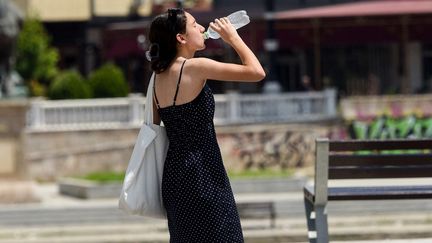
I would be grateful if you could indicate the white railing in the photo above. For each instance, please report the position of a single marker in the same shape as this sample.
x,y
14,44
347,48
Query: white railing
x,y
230,109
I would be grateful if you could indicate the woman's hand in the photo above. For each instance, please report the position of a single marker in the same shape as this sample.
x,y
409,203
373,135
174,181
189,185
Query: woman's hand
x,y
225,29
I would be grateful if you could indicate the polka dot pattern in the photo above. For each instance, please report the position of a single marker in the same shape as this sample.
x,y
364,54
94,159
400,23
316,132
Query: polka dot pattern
x,y
196,191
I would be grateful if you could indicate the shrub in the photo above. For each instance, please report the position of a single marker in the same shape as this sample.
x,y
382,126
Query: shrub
x,y
69,85
108,81
105,176
36,88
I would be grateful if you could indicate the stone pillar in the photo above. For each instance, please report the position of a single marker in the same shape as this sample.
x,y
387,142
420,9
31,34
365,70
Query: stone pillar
x,y
12,124
14,183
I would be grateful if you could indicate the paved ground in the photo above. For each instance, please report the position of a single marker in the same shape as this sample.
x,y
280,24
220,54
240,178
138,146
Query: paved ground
x,y
62,219
429,240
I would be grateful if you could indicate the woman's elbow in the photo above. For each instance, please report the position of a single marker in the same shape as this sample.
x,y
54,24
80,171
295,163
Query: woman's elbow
x,y
259,75
254,74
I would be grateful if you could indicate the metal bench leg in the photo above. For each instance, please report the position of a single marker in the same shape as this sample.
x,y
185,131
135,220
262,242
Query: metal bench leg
x,y
321,224
272,216
310,218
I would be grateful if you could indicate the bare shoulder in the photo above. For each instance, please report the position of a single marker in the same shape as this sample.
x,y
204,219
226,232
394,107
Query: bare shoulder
x,y
199,62
197,67
194,72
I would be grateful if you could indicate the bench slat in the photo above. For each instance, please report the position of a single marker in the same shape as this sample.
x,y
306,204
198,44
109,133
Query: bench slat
x,y
380,159
357,145
374,193
379,172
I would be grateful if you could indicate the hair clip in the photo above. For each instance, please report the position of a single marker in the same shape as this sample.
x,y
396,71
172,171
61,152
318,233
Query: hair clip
x,y
153,52
172,13
172,18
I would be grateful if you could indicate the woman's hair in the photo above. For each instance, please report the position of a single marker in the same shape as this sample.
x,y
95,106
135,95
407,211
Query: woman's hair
x,y
163,41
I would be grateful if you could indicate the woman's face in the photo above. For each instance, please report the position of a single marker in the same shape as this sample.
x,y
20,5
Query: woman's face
x,y
194,33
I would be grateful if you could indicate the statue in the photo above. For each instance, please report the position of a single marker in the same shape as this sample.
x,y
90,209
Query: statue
x,y
10,22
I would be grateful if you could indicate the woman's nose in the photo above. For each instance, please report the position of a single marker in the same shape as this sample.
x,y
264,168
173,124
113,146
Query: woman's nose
x,y
202,29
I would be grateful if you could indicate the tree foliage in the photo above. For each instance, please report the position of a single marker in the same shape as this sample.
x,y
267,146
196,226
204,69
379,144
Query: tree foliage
x,y
36,59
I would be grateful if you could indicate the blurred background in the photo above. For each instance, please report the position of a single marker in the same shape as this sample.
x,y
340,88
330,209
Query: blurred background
x,y
73,76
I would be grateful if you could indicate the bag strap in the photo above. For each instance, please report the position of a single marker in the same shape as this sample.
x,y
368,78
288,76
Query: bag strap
x,y
154,92
148,109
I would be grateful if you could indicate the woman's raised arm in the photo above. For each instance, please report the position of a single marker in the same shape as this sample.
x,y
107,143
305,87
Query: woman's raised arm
x,y
250,69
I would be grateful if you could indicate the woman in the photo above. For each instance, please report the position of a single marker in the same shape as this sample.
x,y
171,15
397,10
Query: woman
x,y
195,188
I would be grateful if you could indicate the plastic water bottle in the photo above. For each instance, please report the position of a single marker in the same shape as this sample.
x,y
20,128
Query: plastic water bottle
x,y
238,19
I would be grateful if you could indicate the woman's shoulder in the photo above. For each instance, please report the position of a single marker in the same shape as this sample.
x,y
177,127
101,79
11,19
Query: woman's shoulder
x,y
199,64
193,71
199,61
196,66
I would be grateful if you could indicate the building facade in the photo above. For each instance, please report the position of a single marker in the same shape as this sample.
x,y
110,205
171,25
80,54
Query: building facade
x,y
314,47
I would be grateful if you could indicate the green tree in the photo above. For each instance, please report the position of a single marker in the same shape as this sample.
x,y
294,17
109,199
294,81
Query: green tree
x,y
36,59
108,81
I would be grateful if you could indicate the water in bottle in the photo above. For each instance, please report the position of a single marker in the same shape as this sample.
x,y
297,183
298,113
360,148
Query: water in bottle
x,y
238,19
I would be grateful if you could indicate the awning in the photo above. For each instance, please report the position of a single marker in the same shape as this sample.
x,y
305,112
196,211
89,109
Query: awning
x,y
369,8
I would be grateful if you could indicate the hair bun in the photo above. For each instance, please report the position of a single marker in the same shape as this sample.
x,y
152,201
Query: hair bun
x,y
153,53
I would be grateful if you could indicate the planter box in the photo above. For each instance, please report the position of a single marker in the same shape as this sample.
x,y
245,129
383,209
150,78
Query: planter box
x,y
86,189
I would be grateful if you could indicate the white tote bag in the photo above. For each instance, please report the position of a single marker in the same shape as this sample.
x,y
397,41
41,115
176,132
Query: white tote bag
x,y
141,193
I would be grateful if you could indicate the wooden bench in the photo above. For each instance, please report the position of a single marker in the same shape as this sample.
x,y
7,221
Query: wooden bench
x,y
258,209
364,159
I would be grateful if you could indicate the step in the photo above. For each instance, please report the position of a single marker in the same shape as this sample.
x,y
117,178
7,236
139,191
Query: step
x,y
92,213
251,236
286,230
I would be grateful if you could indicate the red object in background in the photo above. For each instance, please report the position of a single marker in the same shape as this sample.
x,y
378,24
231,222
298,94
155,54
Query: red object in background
x,y
121,40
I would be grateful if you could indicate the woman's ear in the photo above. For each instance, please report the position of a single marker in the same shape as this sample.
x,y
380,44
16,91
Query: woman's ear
x,y
181,39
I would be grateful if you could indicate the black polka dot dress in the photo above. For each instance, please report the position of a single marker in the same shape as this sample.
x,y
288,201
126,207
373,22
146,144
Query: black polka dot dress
x,y
195,188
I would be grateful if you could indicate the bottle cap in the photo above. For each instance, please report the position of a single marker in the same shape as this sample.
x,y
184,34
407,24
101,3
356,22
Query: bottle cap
x,y
206,35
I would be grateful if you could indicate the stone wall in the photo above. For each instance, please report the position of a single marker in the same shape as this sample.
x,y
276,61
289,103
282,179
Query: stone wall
x,y
270,146
51,155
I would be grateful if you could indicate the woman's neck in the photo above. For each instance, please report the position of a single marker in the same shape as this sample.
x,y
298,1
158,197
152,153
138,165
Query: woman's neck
x,y
185,53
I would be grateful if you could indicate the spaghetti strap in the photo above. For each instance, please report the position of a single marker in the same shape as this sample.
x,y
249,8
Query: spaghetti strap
x,y
178,82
